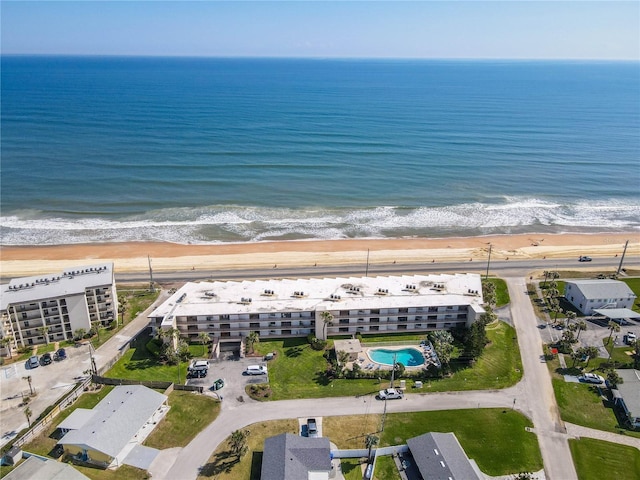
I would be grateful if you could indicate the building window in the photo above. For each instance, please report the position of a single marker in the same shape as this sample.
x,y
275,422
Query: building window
x,y
374,320
344,321
402,319
343,329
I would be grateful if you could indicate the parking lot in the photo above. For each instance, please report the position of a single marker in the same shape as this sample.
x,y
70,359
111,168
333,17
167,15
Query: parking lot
x,y
230,369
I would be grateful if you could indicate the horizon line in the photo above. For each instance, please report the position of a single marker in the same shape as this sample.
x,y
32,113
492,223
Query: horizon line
x,y
295,57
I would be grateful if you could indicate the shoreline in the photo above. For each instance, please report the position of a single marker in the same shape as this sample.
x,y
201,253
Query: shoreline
x,y
18,261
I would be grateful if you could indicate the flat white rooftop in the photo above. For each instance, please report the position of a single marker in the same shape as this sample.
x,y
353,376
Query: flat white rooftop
x,y
352,293
69,282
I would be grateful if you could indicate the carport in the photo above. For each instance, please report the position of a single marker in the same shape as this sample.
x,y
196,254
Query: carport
x,y
618,315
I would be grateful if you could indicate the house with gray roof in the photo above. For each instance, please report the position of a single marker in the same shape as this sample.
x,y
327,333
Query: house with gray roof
x,y
627,395
107,433
292,457
589,295
38,468
48,308
439,456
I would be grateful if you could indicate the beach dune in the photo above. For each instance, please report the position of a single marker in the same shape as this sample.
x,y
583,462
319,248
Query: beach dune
x,y
134,257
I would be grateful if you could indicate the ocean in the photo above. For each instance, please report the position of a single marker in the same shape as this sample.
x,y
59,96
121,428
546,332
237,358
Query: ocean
x,y
210,150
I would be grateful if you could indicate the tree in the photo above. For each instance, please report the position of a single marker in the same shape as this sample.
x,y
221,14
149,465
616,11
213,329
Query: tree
x,y
238,442
122,307
370,442
475,340
489,292
44,330
252,339
571,316
6,343
79,333
343,357
28,413
575,356
614,378
442,342
29,379
581,326
613,327
590,352
635,349
327,319
204,339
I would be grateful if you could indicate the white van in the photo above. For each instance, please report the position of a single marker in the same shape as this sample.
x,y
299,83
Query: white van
x,y
256,370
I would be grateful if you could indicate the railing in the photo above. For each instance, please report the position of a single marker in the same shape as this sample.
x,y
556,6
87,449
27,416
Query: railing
x,y
415,343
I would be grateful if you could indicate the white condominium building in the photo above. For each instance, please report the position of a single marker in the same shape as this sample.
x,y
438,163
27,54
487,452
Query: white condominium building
x,y
57,305
229,311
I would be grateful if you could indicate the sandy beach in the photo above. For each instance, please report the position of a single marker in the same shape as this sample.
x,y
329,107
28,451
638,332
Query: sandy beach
x,y
133,257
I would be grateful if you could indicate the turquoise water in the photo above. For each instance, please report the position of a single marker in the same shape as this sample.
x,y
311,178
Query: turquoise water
x,y
205,150
409,357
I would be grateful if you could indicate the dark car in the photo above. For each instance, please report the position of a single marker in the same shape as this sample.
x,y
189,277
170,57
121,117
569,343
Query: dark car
x,y
584,258
60,355
46,359
218,384
312,428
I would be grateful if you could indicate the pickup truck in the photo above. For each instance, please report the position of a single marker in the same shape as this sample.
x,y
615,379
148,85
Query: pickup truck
x,y
390,394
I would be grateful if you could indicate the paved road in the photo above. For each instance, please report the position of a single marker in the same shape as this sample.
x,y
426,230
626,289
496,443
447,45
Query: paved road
x,y
541,401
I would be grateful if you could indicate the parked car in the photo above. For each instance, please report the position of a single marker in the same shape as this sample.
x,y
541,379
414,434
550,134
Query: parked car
x,y
584,258
61,354
198,369
256,370
33,362
46,359
312,428
630,337
591,378
390,394
217,385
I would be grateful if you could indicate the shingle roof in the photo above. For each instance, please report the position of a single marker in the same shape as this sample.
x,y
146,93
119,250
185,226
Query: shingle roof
x,y
116,419
291,457
439,456
41,469
630,390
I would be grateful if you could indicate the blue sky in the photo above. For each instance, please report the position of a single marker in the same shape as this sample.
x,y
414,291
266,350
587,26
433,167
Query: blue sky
x,y
419,29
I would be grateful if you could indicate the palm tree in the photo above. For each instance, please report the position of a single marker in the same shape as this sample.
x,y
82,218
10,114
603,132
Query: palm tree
x,y
327,318
204,339
590,352
44,330
122,308
238,442
6,343
613,327
571,316
28,379
252,339
28,413
614,378
582,325
370,442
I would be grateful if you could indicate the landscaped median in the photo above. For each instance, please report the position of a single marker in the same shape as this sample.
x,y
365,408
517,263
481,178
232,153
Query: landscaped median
x,y
298,371
485,435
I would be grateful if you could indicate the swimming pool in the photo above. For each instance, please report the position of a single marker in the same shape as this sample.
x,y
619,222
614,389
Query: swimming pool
x,y
409,357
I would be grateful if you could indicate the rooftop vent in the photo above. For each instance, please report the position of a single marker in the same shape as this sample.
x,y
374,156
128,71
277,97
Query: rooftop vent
x,y
210,294
298,294
410,288
245,301
335,298
268,293
353,289
382,291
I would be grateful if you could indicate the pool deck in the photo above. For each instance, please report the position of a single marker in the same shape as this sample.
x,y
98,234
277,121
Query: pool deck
x,y
367,363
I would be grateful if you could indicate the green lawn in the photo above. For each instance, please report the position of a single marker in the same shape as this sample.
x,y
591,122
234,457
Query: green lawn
x,y
502,292
385,469
138,363
188,415
351,468
298,371
597,459
581,404
634,285
485,434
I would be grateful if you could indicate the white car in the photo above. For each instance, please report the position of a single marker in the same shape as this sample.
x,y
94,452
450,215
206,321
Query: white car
x,y
390,394
629,337
591,378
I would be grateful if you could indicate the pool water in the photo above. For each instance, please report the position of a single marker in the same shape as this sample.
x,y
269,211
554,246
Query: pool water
x,y
409,357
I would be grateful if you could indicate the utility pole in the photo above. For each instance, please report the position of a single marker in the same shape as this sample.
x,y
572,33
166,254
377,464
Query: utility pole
x,y
488,262
622,259
366,272
151,287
